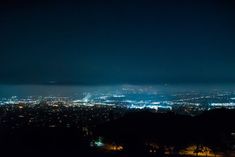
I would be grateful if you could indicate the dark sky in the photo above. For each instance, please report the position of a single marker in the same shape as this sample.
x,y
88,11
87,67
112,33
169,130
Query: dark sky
x,y
117,41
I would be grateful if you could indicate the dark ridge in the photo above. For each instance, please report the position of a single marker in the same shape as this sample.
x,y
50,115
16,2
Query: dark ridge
x,y
211,128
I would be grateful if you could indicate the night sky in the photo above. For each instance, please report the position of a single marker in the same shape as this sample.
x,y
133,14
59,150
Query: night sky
x,y
117,42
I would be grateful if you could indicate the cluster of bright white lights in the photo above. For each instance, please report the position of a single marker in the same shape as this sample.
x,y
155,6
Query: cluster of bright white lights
x,y
223,104
155,107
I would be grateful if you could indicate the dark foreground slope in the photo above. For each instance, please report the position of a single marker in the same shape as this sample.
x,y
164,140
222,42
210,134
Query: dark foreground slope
x,y
135,132
214,129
